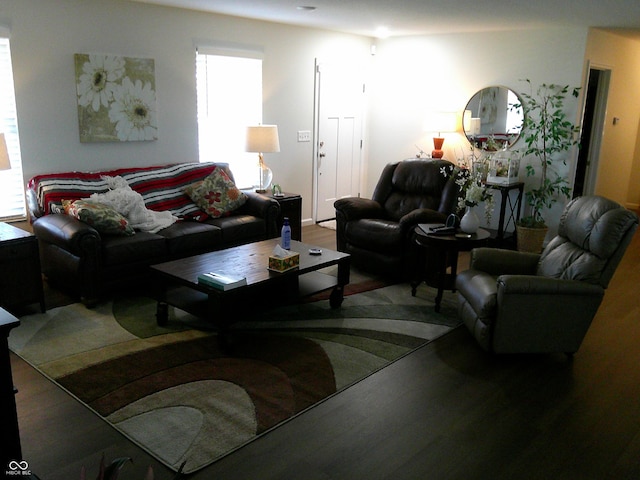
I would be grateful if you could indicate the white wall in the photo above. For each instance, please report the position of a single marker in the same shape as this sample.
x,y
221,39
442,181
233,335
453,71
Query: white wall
x,y
619,164
442,72
409,75
46,33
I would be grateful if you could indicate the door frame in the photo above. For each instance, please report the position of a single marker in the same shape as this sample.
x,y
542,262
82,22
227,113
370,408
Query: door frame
x,y
316,137
597,123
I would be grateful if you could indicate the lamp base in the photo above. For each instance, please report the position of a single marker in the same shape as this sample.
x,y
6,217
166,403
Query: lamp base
x,y
265,175
437,147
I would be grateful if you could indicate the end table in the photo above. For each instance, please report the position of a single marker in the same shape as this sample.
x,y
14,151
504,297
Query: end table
x,y
11,449
507,219
21,279
290,206
441,252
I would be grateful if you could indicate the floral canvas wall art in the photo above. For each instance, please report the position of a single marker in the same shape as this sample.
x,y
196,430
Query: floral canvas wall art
x,y
116,98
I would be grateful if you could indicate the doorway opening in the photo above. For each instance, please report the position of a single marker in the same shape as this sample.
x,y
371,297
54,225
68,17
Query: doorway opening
x,y
593,120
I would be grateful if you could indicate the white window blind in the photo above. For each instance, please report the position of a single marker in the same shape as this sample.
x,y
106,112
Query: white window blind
x,y
229,91
12,202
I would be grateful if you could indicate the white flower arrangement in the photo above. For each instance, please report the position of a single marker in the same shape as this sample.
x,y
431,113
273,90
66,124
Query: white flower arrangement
x,y
472,189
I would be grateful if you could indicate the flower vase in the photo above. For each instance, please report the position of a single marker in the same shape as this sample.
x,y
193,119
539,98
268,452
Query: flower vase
x,y
469,223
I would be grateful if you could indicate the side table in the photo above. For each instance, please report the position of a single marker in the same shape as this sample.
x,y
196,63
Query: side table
x,y
21,280
11,449
510,217
440,253
290,206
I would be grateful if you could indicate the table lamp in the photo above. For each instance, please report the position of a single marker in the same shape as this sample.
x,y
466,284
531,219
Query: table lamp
x,y
261,139
5,163
440,122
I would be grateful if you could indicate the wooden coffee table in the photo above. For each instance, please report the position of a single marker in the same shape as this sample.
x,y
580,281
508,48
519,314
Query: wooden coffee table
x,y
177,281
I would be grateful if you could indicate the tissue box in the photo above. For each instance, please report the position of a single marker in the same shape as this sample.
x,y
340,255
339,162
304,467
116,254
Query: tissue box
x,y
282,264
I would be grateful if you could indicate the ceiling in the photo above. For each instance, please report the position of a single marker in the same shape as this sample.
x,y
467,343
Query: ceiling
x,y
419,17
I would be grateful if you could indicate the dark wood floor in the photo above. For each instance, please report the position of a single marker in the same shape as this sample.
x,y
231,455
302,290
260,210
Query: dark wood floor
x,y
446,411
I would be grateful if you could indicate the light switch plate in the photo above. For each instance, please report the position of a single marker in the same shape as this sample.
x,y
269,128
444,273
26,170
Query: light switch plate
x,y
304,136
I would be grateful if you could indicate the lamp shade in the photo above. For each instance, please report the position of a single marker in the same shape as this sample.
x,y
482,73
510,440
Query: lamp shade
x,y
5,163
441,122
262,138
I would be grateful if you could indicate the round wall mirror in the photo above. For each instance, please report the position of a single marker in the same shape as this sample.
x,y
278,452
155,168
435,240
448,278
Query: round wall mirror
x,y
493,118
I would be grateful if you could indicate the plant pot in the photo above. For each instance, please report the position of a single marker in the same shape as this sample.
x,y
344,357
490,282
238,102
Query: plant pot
x,y
530,239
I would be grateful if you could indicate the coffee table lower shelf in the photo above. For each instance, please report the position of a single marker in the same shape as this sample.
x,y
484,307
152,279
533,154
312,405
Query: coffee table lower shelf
x,y
199,303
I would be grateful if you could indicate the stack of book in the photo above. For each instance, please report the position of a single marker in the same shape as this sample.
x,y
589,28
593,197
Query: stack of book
x,y
221,281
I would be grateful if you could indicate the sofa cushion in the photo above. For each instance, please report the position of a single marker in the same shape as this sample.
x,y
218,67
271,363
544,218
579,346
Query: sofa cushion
x,y
142,247
239,229
190,237
216,195
101,217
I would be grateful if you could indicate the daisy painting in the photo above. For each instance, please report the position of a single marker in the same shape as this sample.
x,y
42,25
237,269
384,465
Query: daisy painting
x,y
116,98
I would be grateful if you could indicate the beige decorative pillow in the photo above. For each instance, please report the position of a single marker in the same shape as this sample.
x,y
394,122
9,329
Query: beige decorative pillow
x,y
101,217
216,195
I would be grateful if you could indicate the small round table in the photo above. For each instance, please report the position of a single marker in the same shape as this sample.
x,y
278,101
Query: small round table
x,y
440,252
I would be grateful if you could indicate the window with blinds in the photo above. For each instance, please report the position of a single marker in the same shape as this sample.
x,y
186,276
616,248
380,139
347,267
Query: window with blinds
x,y
12,201
229,92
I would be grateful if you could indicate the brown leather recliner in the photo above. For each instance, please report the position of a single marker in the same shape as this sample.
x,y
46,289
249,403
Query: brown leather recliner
x,y
378,232
515,302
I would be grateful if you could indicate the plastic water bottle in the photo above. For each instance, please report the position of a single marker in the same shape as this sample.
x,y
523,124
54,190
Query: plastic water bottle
x,y
285,235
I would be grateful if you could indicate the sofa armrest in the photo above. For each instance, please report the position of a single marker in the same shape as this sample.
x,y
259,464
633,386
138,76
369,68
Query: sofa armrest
x,y
264,207
496,261
33,208
68,233
354,208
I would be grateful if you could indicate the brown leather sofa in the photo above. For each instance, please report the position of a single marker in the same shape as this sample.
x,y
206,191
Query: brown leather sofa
x,y
379,232
76,258
514,302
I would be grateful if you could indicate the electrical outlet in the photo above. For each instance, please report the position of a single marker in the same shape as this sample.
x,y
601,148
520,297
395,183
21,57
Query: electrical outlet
x,y
304,136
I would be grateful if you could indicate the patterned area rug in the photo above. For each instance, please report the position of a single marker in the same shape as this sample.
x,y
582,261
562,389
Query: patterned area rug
x,y
178,394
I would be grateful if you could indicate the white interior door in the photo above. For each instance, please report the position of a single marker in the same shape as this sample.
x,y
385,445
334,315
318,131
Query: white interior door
x,y
340,102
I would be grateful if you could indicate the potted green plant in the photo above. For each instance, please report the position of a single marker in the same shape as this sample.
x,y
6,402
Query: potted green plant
x,y
548,135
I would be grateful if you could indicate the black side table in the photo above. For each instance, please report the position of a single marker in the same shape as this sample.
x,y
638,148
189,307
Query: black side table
x,y
440,252
290,206
10,433
21,280
507,218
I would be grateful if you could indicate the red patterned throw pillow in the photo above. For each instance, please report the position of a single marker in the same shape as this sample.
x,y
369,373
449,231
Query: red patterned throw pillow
x,y
216,195
101,217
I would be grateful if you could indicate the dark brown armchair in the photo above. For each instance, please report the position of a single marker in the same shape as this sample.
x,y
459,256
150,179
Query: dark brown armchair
x,y
378,232
516,302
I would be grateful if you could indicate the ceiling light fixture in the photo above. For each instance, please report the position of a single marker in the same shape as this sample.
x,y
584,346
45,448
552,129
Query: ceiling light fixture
x,y
306,8
382,32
